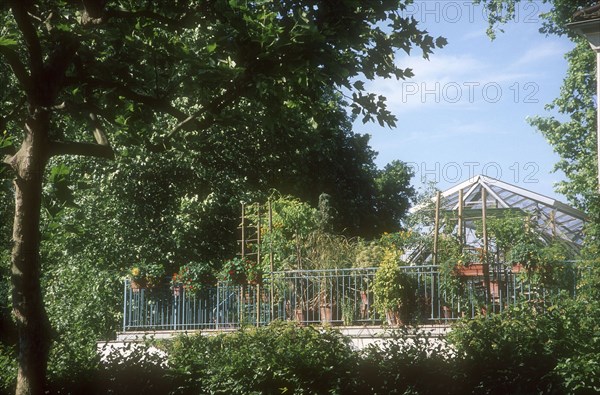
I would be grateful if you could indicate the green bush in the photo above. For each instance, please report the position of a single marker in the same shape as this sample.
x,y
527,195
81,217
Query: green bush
x,y
280,358
410,362
135,370
394,290
530,349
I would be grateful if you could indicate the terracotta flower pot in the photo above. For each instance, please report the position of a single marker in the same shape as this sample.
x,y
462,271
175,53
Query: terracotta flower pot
x,y
326,313
177,290
255,280
137,285
446,312
393,318
299,315
517,268
472,270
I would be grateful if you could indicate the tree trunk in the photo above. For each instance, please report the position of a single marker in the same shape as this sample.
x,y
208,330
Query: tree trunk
x,y
28,307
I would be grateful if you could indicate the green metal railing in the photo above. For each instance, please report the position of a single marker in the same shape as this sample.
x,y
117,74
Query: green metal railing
x,y
336,297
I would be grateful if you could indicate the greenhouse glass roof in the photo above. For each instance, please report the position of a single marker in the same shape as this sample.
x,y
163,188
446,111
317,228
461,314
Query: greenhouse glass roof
x,y
554,218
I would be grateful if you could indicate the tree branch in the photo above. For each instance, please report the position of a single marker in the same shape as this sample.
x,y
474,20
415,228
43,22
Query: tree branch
x,y
30,36
98,132
18,68
58,63
7,154
100,150
214,107
187,19
6,163
81,149
158,104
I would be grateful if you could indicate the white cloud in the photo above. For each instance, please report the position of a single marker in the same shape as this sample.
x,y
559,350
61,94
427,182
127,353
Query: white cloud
x,y
539,54
466,81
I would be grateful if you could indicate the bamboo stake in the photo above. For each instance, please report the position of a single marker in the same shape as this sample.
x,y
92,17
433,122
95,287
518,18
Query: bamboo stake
x,y
437,227
241,298
258,265
258,224
486,265
271,260
243,230
461,224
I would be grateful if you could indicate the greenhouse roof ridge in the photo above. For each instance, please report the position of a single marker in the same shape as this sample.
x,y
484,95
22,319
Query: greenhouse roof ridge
x,y
486,181
556,217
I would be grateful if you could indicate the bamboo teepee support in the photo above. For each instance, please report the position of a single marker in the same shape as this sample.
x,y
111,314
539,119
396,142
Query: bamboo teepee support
x,y
436,231
461,224
484,258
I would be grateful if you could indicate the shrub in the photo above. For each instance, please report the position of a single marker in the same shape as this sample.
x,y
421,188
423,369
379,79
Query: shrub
x,y
137,369
280,358
531,349
394,290
507,353
410,362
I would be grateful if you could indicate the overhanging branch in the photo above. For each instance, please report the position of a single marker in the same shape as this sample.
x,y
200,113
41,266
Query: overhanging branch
x,y
100,150
214,107
186,20
157,104
29,35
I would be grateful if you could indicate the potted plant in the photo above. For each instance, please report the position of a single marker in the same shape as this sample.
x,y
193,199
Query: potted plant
x,y
348,311
253,273
368,255
137,278
525,256
146,275
326,252
193,278
155,274
394,290
234,271
544,265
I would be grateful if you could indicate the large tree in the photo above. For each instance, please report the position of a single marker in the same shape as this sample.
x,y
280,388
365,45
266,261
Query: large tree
x,y
160,74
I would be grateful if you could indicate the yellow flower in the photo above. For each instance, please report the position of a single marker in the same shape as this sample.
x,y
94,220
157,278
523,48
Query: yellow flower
x,y
135,271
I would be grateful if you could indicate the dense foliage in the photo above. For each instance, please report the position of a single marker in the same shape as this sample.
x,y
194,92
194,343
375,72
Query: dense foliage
x,y
528,349
202,104
531,349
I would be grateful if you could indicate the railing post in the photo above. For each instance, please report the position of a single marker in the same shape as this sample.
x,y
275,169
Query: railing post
x,y
217,308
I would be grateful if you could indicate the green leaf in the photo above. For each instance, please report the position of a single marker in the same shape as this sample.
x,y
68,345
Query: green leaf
x,y
210,48
441,42
7,42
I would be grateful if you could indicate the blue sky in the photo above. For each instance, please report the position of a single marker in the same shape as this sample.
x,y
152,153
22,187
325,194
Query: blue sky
x,y
464,113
